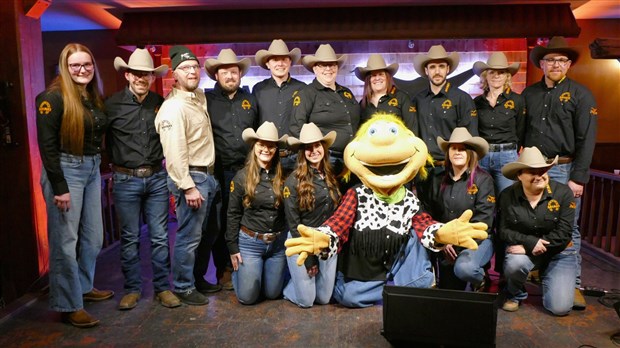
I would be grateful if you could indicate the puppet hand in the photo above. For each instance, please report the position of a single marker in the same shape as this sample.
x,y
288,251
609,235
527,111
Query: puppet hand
x,y
311,242
461,232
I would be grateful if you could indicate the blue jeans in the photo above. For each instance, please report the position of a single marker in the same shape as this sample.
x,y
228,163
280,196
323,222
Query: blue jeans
x,y
303,290
263,268
561,173
149,196
469,264
493,162
189,229
413,269
558,278
75,237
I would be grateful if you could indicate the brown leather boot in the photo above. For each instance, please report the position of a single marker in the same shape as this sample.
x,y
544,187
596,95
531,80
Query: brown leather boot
x,y
97,295
79,318
168,299
129,301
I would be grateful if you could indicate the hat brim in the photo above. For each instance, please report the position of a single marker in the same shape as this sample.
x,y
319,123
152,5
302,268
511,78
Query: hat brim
x,y
511,170
480,67
211,65
310,61
420,61
539,52
478,144
362,72
329,138
263,56
249,136
120,65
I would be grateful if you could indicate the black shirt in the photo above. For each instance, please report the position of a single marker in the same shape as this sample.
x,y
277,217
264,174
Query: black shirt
x,y
275,103
262,216
503,123
49,120
395,102
551,220
330,110
229,117
323,204
562,121
439,114
132,139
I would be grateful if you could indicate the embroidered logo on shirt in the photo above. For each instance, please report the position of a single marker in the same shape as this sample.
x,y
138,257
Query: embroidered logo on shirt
x,y
412,109
572,205
509,104
296,100
348,95
447,104
286,192
553,205
549,189
473,113
232,186
473,189
565,97
393,102
245,104
165,125
45,108
491,199
156,109
593,112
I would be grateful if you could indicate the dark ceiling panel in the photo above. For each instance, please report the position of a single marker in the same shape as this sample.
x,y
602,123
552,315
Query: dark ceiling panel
x,y
361,23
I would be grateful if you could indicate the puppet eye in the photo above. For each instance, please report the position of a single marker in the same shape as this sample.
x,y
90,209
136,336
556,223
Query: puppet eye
x,y
393,129
372,130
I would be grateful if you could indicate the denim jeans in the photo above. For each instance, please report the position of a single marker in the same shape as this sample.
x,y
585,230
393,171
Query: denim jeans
x,y
493,162
75,237
263,268
189,229
413,269
561,173
468,267
134,196
303,290
558,278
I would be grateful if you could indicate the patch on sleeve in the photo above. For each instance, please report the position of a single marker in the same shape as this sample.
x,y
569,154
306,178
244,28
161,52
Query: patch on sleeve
x,y
593,111
412,109
232,186
572,205
473,113
491,199
286,192
165,125
45,108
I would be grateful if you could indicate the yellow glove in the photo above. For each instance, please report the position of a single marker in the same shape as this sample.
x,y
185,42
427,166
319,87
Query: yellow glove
x,y
461,232
310,242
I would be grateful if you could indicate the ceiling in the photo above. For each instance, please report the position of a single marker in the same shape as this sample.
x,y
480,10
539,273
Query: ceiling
x,y
65,15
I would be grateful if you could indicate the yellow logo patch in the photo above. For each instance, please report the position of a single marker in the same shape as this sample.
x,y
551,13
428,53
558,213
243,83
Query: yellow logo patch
x,y
393,102
413,109
447,104
593,112
286,192
45,107
296,100
473,189
473,113
232,186
348,95
572,205
509,104
553,205
245,104
565,97
156,110
549,189
491,199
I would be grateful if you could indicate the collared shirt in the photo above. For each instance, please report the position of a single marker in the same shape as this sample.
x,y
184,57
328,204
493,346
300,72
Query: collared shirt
x,y
230,117
323,204
261,216
275,103
395,102
439,114
551,219
186,136
503,123
330,110
132,139
562,121
50,111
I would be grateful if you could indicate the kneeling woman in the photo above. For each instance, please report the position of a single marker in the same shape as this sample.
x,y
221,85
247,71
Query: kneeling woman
x,y
465,186
310,197
255,236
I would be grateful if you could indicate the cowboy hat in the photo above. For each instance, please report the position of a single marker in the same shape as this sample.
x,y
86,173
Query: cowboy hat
x,y
497,61
277,48
325,53
375,62
530,158
310,134
226,57
436,52
461,135
140,60
557,44
266,132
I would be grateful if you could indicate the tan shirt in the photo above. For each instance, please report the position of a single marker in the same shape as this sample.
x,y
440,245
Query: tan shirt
x,y
186,135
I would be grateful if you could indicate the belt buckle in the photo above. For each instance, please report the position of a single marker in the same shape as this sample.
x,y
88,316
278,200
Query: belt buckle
x,y
268,237
143,172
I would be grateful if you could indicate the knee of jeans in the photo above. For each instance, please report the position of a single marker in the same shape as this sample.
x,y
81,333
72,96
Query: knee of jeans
x,y
247,297
464,270
556,308
514,266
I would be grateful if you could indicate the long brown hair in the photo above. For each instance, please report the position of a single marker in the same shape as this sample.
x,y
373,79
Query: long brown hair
x,y
252,177
389,83
74,112
304,175
472,166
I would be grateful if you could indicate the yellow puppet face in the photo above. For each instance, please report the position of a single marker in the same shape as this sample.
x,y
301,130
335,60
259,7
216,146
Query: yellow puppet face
x,y
385,154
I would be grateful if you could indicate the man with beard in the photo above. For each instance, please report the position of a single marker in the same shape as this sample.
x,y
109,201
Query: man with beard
x,y
440,108
232,110
187,139
139,178
561,120
275,94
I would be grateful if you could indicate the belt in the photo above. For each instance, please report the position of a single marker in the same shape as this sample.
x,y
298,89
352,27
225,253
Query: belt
x,y
206,170
140,172
336,154
502,147
284,152
439,163
265,237
564,160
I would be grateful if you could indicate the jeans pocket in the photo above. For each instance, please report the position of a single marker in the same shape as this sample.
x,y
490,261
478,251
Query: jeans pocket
x,y
120,178
70,161
198,177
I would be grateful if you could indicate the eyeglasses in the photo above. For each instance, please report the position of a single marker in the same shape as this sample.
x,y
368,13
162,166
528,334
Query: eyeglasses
x,y
266,147
560,61
325,66
77,67
189,68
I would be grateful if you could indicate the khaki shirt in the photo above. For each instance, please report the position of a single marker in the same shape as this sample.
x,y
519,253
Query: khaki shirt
x,y
186,135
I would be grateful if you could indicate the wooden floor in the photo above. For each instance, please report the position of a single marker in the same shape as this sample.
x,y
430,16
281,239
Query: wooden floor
x,y
226,323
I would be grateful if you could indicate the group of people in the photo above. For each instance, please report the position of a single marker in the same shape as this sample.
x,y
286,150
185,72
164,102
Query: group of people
x,y
249,171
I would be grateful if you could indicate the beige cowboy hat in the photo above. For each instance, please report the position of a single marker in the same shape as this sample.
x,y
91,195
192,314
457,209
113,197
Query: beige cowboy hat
x,y
436,52
140,60
325,53
460,135
557,44
530,158
310,134
277,48
226,57
497,61
266,132
375,62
